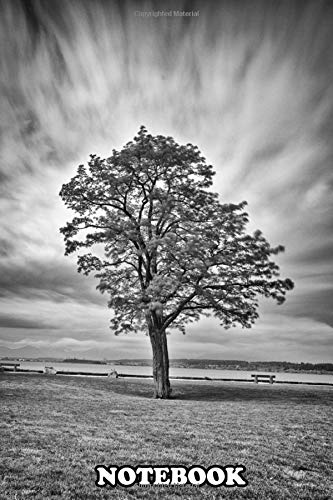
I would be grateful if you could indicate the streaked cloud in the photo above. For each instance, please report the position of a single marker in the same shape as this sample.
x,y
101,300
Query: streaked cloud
x,y
250,83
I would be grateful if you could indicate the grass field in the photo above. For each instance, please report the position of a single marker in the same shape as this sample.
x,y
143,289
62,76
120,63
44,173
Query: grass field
x,y
55,429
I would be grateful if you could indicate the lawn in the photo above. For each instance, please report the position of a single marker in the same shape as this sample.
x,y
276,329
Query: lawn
x,y
55,429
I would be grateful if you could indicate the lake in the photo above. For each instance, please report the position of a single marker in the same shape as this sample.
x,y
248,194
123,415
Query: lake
x,y
177,372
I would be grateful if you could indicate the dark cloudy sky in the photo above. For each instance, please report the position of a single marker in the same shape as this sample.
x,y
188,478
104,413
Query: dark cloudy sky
x,y
249,82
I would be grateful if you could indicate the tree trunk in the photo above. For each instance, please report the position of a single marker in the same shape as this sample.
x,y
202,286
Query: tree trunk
x,y
160,363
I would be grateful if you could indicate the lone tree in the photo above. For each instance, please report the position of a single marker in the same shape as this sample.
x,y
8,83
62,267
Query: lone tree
x,y
172,251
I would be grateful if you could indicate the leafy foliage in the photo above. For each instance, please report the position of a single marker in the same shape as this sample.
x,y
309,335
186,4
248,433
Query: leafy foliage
x,y
172,251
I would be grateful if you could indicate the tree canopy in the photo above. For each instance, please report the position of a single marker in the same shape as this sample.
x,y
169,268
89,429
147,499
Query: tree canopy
x,y
166,250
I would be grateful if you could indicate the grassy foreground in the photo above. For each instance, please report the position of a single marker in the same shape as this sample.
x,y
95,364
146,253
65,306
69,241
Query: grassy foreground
x,y
55,429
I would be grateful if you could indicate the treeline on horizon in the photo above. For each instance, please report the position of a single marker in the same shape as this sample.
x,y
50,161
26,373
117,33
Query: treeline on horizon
x,y
86,361
234,364
226,364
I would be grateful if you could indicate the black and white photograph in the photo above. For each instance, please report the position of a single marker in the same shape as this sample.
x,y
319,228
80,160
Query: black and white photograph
x,y
166,249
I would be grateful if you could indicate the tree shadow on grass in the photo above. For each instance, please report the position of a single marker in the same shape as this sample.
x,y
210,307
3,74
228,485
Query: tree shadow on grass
x,y
218,392
250,392
229,391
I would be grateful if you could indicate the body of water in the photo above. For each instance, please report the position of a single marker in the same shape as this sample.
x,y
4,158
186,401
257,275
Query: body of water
x,y
177,372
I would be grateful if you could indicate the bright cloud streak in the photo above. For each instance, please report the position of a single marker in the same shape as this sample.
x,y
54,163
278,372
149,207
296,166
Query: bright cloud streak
x,y
250,85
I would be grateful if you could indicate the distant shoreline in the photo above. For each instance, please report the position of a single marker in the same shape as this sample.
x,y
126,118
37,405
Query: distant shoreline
x,y
206,364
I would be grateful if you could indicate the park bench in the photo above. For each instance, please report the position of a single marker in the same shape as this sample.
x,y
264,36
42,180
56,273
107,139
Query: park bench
x,y
262,377
3,364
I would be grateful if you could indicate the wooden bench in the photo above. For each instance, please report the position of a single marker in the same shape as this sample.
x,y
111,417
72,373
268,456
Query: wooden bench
x,y
8,363
263,377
